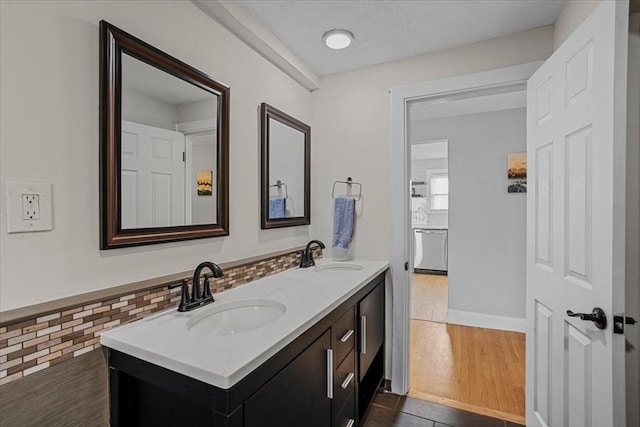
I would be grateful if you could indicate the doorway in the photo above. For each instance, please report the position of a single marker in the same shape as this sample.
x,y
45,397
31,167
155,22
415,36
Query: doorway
x,y
402,251
469,249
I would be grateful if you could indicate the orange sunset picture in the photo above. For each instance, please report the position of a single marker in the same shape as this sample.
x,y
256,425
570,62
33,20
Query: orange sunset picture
x,y
205,182
517,172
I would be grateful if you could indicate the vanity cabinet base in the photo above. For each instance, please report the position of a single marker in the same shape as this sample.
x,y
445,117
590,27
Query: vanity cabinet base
x,y
297,395
300,385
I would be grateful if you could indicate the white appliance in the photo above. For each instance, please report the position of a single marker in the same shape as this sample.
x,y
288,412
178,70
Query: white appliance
x,y
430,250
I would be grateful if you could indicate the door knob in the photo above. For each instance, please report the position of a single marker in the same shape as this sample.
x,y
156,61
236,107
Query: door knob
x,y
597,316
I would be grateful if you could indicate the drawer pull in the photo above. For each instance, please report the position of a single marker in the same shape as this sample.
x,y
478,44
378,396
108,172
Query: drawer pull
x,y
363,334
347,380
350,423
330,373
347,335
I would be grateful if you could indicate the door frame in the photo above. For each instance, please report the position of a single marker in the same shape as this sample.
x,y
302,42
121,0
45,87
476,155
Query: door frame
x,y
401,212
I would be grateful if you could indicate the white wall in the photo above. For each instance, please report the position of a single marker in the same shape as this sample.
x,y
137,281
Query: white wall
x,y
572,14
352,136
147,110
198,110
486,224
419,166
49,133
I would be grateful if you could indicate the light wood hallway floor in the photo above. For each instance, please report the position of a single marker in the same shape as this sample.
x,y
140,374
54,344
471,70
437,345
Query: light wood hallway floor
x,y
429,297
474,369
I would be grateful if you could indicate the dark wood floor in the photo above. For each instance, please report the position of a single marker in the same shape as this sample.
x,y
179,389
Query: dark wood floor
x,y
391,410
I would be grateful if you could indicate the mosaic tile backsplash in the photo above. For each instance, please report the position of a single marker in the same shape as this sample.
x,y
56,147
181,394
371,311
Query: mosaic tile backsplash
x,y
40,342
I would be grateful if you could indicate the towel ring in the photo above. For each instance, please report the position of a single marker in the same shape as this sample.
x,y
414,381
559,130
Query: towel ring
x,y
349,183
281,184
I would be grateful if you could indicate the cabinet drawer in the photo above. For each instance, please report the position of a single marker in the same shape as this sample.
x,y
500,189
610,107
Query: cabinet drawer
x,y
343,335
344,380
347,416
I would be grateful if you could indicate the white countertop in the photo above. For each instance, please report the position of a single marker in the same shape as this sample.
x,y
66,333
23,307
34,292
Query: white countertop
x,y
308,295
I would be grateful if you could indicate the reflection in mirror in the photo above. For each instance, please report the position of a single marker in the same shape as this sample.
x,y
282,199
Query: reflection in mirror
x,y
168,149
164,146
286,164
285,169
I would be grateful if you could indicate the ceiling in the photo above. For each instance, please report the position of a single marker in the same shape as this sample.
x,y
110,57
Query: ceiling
x,y
388,30
153,82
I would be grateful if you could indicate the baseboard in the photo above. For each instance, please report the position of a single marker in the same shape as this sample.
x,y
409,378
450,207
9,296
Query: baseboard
x,y
481,320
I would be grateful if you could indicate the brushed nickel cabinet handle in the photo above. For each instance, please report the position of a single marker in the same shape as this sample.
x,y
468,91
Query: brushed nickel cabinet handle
x,y
363,334
347,380
330,373
347,335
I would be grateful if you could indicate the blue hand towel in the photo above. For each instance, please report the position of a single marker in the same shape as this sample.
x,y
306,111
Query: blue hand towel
x,y
344,217
277,207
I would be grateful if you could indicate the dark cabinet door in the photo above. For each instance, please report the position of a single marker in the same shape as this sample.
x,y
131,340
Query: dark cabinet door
x,y
371,327
297,396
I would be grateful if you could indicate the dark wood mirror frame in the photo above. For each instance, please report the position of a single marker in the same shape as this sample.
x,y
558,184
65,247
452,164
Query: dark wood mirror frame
x,y
113,42
268,112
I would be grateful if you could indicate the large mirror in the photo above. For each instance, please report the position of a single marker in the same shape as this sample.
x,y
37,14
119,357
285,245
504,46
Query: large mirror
x,y
164,146
285,150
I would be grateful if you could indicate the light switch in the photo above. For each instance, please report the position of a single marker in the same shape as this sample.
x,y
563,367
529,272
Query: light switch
x,y
28,207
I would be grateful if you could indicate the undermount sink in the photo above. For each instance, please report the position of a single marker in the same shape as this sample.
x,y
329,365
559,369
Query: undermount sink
x,y
235,317
338,267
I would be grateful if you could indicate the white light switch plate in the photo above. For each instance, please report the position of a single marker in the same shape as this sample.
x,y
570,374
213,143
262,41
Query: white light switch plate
x,y
28,207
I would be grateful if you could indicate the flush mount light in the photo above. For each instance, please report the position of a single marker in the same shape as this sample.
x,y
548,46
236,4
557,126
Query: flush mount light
x,y
337,39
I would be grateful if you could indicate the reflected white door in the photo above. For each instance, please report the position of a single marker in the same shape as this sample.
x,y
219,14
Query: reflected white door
x,y
576,112
153,174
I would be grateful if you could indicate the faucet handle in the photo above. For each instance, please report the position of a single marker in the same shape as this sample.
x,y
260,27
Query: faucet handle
x,y
206,287
184,295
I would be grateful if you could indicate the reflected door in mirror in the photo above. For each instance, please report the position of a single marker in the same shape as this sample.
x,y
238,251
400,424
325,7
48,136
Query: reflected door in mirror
x,y
152,177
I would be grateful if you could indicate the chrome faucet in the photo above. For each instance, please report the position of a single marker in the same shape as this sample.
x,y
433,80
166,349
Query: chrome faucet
x,y
197,298
306,259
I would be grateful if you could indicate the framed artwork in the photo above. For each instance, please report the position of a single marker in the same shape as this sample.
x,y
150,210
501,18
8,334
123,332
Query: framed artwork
x,y
205,182
517,172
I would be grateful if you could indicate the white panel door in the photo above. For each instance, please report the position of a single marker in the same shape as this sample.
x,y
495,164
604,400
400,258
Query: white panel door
x,y
153,176
576,112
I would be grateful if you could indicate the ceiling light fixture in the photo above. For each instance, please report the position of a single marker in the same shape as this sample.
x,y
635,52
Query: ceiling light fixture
x,y
337,39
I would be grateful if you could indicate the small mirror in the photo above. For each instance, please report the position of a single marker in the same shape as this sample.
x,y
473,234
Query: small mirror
x,y
164,146
286,145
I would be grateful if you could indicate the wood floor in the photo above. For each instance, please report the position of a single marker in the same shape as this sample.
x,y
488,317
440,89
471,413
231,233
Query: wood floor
x,y
474,369
429,297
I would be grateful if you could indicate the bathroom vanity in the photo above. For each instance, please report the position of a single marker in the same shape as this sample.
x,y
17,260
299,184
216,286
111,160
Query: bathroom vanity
x,y
313,356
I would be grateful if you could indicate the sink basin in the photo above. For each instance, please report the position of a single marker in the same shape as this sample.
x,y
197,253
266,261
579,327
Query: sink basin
x,y
338,267
235,317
